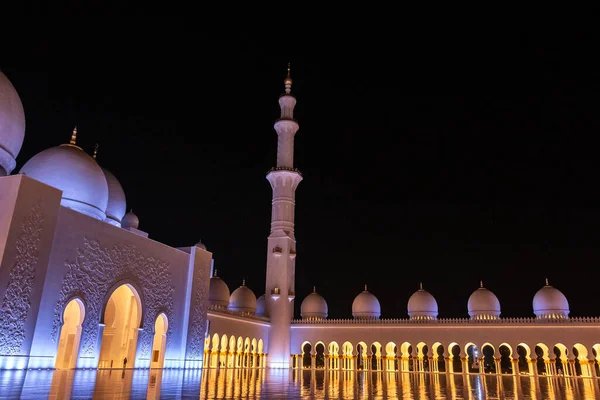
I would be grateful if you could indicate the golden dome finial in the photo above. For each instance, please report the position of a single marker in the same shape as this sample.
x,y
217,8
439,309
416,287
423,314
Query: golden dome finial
x,y
314,289
73,140
243,282
480,283
420,285
215,273
95,151
547,284
365,287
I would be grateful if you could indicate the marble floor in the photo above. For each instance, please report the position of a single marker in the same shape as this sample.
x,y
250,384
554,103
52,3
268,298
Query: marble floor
x,y
280,384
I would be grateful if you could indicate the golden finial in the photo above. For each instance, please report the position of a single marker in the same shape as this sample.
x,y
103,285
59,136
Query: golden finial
x,y
365,287
314,289
288,80
480,283
95,151
243,282
420,285
547,284
74,137
215,273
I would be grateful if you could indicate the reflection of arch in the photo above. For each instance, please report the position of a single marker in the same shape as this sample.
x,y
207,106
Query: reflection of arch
x,y
70,334
122,318
159,344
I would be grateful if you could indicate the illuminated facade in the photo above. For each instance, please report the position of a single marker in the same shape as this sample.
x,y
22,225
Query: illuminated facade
x,y
83,287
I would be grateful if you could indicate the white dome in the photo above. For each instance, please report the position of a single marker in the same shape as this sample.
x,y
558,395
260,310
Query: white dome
x,y
130,220
314,306
260,306
243,300
76,173
549,302
483,304
218,292
422,305
116,206
12,125
366,306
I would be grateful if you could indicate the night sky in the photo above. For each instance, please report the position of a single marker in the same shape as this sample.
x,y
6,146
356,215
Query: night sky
x,y
441,159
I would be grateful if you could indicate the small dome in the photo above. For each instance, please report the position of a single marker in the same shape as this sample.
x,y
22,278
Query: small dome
x,y
422,305
218,292
76,174
550,303
201,245
243,300
366,306
116,206
260,306
130,220
313,306
483,304
12,125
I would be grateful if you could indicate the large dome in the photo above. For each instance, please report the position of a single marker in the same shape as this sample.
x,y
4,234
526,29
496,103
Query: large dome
x,y
260,306
12,125
243,300
76,173
550,303
422,305
483,304
116,206
218,292
313,306
366,306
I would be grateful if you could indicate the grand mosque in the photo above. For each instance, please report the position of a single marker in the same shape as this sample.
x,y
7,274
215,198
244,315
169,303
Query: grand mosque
x,y
82,286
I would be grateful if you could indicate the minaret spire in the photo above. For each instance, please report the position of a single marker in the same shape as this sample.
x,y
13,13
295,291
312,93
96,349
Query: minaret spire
x,y
288,80
95,151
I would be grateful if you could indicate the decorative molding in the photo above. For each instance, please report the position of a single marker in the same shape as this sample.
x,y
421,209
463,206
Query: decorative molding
x,y
452,321
197,330
17,298
96,270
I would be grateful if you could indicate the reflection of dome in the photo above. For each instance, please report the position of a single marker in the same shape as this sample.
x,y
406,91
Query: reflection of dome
x,y
218,292
72,170
366,306
549,302
260,306
116,206
12,125
483,304
130,220
243,300
313,306
422,305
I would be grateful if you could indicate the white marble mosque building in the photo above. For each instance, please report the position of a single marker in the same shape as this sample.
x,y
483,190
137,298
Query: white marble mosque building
x,y
83,287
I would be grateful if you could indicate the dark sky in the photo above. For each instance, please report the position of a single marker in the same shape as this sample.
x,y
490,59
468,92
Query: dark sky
x,y
443,159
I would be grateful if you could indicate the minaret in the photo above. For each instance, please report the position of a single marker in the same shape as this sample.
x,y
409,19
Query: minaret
x,y
281,250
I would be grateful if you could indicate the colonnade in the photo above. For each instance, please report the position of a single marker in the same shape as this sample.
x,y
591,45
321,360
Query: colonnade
x,y
222,351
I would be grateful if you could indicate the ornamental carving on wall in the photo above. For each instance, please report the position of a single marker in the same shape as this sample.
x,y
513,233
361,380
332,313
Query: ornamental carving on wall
x,y
198,314
17,298
96,270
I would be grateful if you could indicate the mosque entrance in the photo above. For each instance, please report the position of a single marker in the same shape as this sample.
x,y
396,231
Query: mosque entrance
x,y
122,318
159,344
70,335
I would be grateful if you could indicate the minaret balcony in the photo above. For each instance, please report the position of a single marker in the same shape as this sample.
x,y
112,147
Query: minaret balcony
x,y
292,254
291,296
291,169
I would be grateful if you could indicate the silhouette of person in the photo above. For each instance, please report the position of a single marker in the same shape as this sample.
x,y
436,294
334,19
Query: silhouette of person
x,y
125,362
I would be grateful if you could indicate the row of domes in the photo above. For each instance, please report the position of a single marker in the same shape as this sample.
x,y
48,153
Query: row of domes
x,y
548,302
86,187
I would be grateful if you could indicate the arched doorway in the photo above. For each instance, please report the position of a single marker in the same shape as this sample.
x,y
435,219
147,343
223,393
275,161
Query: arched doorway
x,y
122,317
159,344
70,335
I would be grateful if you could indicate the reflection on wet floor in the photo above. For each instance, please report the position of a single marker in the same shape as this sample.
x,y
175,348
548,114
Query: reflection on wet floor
x,y
294,384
